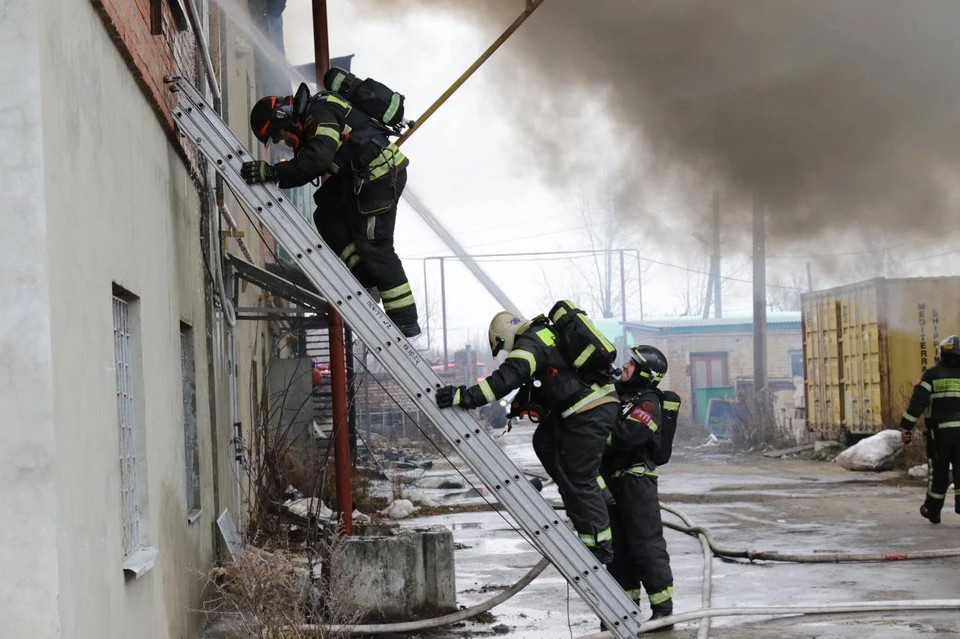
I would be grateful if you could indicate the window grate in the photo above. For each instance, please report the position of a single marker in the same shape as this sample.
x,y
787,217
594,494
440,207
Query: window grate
x,y
129,498
191,449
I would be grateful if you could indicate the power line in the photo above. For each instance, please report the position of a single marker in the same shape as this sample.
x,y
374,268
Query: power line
x,y
536,257
866,251
930,257
512,239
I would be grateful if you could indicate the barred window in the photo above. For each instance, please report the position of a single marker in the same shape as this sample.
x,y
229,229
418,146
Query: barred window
x,y
129,485
191,450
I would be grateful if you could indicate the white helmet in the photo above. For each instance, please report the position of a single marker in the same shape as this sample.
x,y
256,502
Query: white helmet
x,y
503,329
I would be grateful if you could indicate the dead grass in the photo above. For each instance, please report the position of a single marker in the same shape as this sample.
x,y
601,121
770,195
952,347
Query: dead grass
x,y
915,452
756,425
271,595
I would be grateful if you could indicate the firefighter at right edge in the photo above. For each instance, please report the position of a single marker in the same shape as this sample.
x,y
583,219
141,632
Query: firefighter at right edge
x,y
640,551
357,204
570,440
938,393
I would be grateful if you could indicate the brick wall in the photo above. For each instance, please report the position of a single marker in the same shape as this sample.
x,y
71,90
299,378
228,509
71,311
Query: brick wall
x,y
152,57
736,343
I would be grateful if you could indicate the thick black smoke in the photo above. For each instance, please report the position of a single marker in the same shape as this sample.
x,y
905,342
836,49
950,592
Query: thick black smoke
x,y
835,113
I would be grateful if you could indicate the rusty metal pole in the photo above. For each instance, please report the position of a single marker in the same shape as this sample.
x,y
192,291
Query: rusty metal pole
x,y
321,40
341,436
338,369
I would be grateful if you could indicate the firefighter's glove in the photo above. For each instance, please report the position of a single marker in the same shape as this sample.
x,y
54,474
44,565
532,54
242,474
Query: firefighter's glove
x,y
906,436
454,396
257,172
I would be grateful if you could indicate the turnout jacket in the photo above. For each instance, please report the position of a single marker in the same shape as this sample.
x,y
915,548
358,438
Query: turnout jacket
x,y
338,138
938,394
636,435
535,356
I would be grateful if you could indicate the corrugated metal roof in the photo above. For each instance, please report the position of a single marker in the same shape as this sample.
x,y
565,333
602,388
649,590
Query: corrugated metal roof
x,y
691,321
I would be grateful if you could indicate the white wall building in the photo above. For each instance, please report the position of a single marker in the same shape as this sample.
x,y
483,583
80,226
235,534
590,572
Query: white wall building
x,y
116,428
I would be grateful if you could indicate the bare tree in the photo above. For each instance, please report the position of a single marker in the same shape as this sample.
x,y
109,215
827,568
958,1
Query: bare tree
x,y
690,286
878,261
430,317
784,294
600,210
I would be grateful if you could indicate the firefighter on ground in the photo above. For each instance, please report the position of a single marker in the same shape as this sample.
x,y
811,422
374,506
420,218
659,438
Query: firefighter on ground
x,y
938,393
570,439
357,203
640,551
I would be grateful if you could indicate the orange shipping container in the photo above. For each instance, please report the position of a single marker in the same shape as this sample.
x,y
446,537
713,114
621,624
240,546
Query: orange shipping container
x,y
866,344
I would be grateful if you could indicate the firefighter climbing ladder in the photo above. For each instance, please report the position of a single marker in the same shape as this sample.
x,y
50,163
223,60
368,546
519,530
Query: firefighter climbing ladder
x,y
531,512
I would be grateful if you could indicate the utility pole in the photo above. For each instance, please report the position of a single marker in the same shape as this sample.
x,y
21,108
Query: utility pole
x,y
809,278
715,262
443,312
713,280
759,300
708,299
426,303
639,284
623,290
623,303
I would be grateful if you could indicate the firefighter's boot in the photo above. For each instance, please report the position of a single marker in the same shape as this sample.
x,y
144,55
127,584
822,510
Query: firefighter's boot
x,y
660,611
930,513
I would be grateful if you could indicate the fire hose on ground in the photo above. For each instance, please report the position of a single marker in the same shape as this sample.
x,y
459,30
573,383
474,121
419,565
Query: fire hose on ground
x,y
815,557
710,549
435,622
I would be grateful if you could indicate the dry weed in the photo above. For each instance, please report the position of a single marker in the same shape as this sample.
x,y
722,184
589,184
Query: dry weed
x,y
271,595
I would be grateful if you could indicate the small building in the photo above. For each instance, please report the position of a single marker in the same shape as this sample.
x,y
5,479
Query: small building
x,y
714,358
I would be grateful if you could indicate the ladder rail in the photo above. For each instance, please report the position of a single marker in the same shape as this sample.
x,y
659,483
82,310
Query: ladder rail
x,y
475,446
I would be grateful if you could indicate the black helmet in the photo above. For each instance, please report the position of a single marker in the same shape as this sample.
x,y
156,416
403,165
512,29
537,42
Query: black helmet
x,y
269,116
273,114
949,348
651,363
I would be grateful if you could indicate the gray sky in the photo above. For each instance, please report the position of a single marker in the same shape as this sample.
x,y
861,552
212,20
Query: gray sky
x,y
472,166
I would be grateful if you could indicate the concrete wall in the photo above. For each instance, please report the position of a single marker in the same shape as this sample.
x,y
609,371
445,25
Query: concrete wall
x,y
253,342
29,583
121,208
97,194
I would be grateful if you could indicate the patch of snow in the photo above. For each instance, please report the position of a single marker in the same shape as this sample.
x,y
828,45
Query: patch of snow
x,y
877,452
399,509
421,497
919,471
307,506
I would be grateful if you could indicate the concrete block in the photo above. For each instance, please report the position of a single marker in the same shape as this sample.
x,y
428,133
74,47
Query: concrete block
x,y
405,575
440,574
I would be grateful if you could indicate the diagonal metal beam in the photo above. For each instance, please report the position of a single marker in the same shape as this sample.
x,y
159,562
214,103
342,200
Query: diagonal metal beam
x,y
276,284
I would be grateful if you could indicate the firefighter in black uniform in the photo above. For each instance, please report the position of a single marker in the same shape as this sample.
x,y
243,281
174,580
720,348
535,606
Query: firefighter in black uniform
x,y
938,393
357,204
570,439
640,551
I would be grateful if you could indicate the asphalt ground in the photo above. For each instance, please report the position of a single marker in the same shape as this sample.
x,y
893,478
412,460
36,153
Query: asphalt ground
x,y
746,501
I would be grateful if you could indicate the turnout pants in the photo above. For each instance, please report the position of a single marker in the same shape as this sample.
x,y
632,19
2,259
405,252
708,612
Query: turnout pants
x,y
570,450
358,226
639,549
943,451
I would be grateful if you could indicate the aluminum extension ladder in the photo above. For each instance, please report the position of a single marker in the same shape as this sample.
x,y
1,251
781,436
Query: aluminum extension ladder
x,y
214,139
